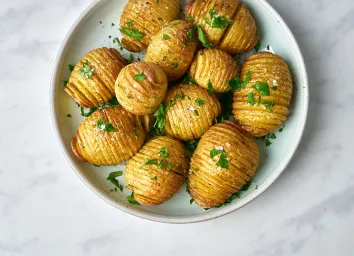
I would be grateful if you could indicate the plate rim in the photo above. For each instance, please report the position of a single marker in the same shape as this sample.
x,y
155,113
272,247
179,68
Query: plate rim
x,y
192,218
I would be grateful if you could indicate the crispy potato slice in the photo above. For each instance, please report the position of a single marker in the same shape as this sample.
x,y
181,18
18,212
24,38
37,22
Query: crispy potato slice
x,y
192,114
213,67
92,81
110,136
141,87
212,182
156,173
261,114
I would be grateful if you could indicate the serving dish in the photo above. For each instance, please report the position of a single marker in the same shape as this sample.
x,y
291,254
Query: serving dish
x,y
97,27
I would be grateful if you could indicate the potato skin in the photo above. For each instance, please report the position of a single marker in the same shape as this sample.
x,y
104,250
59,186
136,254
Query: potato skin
x,y
175,54
199,10
141,97
209,184
99,88
153,185
215,66
109,148
257,120
242,35
148,17
182,122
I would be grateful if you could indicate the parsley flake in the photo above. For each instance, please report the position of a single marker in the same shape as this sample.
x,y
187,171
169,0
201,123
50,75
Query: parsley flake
x,y
132,33
203,38
86,72
262,88
140,76
210,88
251,100
199,102
258,45
165,37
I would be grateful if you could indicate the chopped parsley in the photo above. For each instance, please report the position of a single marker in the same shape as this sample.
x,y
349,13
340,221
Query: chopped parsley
x,y
68,115
89,113
258,45
132,33
251,100
103,126
116,40
130,60
131,199
269,105
273,136
223,162
165,37
130,23
175,64
268,47
189,80
191,201
190,19
199,102
140,76
203,38
235,83
164,152
180,167
148,161
274,88
191,34
210,88
247,185
65,83
281,129
154,178
217,21
196,112
112,178
226,100
247,79
86,72
159,18
71,68
164,58
262,88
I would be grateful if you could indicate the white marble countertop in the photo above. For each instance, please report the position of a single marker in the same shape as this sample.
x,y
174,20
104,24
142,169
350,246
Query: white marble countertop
x,y
46,210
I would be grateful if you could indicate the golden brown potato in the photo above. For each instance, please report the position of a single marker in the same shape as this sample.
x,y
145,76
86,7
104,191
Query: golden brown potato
x,y
225,160
109,137
213,67
156,173
212,15
173,48
192,114
141,87
142,19
264,104
242,35
92,81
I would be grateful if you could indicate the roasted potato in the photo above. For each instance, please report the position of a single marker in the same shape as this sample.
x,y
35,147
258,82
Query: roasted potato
x,y
109,136
212,15
192,113
225,160
264,104
141,87
242,35
156,173
92,81
173,48
142,19
213,68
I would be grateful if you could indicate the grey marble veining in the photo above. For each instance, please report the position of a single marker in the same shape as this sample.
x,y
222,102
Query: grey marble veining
x,y
46,210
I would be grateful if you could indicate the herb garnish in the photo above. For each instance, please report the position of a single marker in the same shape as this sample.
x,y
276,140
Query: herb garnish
x,y
191,201
132,33
269,105
235,83
199,102
251,99
165,37
258,45
164,58
191,33
217,21
89,113
189,80
262,88
203,38
154,178
191,19
175,64
140,76
112,178
131,199
148,161
247,79
116,40
226,100
163,152
196,112
223,162
71,68
210,88
68,115
86,72
281,129
103,126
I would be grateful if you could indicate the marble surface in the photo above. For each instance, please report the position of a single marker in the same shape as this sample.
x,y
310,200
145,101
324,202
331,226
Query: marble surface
x,y
46,210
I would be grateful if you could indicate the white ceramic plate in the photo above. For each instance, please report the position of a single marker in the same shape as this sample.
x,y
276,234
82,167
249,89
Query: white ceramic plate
x,y
92,30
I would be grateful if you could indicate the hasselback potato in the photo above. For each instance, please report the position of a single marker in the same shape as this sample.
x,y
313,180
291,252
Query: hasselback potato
x,y
193,112
156,173
92,81
142,19
173,48
242,35
264,103
141,87
212,15
109,136
225,160
213,67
